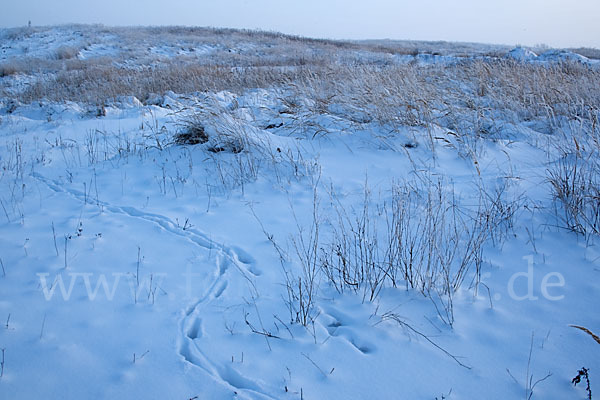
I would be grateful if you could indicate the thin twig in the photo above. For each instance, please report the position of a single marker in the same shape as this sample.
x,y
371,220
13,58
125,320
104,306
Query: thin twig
x,y
54,234
397,318
315,364
43,325
2,364
581,328
283,323
66,241
264,332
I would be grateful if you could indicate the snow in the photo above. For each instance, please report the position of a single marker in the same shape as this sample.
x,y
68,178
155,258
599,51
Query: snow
x,y
562,55
137,268
552,56
521,54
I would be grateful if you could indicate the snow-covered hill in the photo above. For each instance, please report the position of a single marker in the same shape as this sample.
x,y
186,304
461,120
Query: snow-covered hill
x,y
278,217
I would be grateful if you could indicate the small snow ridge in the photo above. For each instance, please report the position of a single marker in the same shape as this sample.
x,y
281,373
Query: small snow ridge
x,y
521,54
562,55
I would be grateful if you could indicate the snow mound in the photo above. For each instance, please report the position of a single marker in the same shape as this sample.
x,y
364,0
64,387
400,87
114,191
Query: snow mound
x,y
521,54
562,56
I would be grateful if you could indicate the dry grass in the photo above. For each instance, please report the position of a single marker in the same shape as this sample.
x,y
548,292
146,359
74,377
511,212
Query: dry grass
x,y
595,337
422,239
575,176
357,80
470,97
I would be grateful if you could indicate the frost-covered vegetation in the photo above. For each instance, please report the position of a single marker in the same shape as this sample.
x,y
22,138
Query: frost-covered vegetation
x,y
212,213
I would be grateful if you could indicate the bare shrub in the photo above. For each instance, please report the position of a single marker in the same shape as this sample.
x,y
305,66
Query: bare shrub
x,y
303,287
9,68
429,242
353,258
66,52
574,176
575,182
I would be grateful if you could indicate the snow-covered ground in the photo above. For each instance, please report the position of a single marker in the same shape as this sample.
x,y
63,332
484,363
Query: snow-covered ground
x,y
258,262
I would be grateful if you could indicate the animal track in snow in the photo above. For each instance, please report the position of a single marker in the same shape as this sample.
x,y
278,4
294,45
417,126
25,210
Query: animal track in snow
x,y
191,332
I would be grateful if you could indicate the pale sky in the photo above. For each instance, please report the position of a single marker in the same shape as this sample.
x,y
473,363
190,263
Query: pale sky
x,y
558,23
